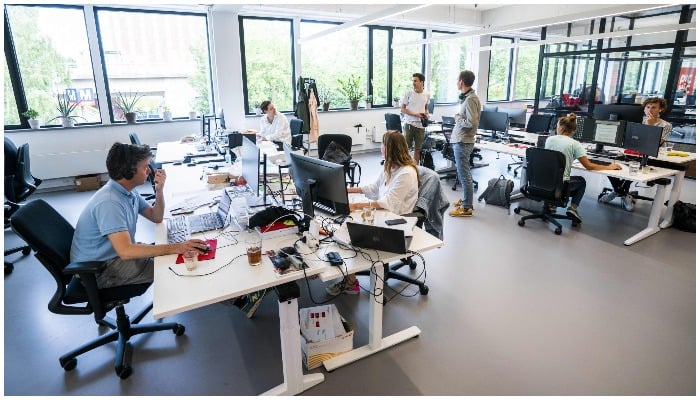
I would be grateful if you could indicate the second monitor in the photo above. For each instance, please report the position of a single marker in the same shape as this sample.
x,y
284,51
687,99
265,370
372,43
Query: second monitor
x,y
494,122
320,184
608,133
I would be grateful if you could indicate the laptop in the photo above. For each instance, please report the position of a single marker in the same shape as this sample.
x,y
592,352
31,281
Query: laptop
x,y
378,238
180,227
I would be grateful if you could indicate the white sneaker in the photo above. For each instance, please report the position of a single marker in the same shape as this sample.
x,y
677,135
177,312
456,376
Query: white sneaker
x,y
628,203
608,197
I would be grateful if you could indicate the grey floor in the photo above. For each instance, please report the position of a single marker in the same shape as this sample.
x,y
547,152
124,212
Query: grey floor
x,y
511,311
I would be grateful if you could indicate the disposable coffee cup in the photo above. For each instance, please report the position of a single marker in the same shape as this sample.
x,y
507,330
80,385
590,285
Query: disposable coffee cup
x,y
634,167
190,259
368,214
253,246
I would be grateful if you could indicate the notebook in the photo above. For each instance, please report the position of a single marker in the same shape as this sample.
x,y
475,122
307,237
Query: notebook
x,y
378,238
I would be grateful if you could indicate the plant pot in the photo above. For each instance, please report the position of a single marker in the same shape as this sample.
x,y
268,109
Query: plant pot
x,y
193,114
353,104
326,106
130,117
67,122
368,106
167,116
34,123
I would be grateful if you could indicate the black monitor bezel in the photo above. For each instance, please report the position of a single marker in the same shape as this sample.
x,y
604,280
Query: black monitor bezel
x,y
621,112
328,186
250,165
651,134
494,121
618,136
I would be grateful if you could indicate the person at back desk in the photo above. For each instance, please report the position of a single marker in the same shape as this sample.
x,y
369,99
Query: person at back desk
x,y
396,190
564,142
653,107
274,126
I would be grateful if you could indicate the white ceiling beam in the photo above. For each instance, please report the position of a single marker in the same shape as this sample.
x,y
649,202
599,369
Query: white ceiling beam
x,y
386,13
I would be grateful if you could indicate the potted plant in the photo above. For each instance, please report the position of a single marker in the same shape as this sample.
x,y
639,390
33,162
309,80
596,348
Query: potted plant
x,y
325,97
368,101
31,115
167,114
351,89
396,101
127,104
65,112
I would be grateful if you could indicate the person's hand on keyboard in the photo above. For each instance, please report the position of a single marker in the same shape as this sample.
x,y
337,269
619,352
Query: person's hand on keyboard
x,y
198,245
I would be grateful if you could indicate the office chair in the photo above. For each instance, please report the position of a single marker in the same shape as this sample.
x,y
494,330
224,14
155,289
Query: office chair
x,y
50,236
393,122
538,123
344,141
430,209
545,183
296,125
446,127
19,185
134,138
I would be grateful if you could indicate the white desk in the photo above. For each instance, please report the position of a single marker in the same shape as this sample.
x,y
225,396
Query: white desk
x,y
173,294
175,151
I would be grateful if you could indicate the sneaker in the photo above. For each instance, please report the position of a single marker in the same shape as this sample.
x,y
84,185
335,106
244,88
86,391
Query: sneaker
x,y
628,203
574,214
457,203
343,287
254,300
461,212
608,197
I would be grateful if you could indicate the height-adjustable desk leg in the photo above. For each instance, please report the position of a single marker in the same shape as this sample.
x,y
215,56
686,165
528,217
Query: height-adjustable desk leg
x,y
295,381
672,199
654,216
376,342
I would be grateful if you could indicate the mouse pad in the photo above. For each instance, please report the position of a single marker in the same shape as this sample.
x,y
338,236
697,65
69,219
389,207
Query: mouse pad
x,y
202,257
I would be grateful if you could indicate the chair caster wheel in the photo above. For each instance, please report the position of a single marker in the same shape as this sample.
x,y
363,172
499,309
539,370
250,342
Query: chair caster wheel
x,y
423,290
26,251
454,188
509,168
123,371
516,210
179,330
515,174
574,224
412,264
557,231
69,364
521,222
9,268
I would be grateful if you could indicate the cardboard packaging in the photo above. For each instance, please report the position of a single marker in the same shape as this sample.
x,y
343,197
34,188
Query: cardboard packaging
x,y
84,183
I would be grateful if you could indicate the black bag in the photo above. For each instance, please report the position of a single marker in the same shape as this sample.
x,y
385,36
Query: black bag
x,y
684,216
426,159
498,192
336,153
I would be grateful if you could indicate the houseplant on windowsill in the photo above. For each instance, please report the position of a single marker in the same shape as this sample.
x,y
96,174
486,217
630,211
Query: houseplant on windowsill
x,y
127,103
396,101
351,89
368,101
167,114
65,112
31,115
325,97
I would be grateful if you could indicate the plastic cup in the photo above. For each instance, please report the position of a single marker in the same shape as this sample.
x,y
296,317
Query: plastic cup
x,y
368,214
668,147
634,167
253,247
190,258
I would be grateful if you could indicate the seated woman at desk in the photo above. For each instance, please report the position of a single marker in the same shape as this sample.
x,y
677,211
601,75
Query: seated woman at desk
x,y
653,107
274,126
395,190
572,149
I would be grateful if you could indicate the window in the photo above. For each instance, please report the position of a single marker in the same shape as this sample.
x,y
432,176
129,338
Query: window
x,y
449,58
526,71
266,46
54,61
499,70
334,56
159,59
380,67
406,61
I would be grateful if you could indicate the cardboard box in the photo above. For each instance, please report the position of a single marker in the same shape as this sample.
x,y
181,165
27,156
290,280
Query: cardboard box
x,y
315,353
85,183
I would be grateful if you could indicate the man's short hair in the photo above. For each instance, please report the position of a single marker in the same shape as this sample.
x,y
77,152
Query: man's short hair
x,y
420,76
658,100
264,105
467,77
123,159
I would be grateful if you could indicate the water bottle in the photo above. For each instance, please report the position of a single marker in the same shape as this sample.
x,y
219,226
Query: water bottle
x,y
227,157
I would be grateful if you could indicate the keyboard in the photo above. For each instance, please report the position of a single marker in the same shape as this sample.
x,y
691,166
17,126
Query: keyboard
x,y
205,222
178,229
599,162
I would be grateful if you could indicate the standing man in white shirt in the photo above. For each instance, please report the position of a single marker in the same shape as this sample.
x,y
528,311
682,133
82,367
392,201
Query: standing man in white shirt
x,y
274,126
414,106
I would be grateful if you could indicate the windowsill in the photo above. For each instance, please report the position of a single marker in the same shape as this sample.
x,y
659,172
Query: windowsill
x,y
99,125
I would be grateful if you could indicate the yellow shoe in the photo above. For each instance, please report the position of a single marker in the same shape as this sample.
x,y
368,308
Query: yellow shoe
x,y
461,212
457,203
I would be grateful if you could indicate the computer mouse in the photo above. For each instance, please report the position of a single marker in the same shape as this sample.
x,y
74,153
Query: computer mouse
x,y
187,159
215,167
191,164
207,249
177,163
281,263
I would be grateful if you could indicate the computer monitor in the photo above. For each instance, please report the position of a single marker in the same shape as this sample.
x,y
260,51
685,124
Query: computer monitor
x,y
585,129
494,121
608,133
235,139
319,181
221,119
622,112
628,98
644,139
516,116
250,165
539,123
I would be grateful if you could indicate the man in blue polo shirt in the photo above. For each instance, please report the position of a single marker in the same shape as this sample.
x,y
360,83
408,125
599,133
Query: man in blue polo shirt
x,y
106,228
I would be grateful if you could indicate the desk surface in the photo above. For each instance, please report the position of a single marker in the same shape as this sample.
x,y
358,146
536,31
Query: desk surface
x,y
175,151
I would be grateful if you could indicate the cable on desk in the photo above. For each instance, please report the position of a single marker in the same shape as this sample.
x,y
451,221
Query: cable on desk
x,y
210,272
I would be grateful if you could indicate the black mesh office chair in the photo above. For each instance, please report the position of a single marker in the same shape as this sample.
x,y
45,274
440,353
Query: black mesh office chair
x,y
352,169
538,123
50,236
134,138
393,122
296,125
430,209
19,185
545,183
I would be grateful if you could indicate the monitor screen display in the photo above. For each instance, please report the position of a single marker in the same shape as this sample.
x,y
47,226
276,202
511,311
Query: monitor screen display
x,y
538,123
319,181
609,133
643,138
620,112
250,165
494,121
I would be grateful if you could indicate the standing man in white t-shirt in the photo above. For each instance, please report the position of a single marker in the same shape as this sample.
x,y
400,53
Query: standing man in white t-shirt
x,y
414,106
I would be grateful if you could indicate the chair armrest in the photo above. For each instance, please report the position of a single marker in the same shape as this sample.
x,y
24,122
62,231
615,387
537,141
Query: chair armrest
x,y
86,267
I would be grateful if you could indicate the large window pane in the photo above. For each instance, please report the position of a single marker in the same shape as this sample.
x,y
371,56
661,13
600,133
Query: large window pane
x,y
407,60
160,58
267,46
335,56
499,70
380,67
9,104
54,60
526,72
449,58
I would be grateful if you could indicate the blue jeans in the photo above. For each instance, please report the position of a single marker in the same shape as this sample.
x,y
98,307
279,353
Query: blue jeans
x,y
462,152
577,187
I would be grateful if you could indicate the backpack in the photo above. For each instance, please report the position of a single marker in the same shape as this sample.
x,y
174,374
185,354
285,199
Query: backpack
x,y
426,159
336,153
498,192
684,216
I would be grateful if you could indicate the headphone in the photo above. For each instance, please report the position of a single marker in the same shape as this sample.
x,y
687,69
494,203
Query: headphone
x,y
128,161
